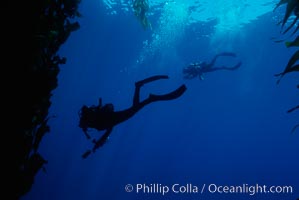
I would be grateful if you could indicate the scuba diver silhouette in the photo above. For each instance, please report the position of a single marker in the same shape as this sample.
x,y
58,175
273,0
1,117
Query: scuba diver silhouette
x,y
105,118
198,69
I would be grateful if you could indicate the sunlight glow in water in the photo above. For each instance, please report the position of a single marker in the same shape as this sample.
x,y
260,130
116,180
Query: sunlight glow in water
x,y
231,14
171,25
173,16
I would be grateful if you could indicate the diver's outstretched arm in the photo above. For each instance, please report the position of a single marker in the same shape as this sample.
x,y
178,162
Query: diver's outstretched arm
x,y
226,68
98,143
86,134
86,154
138,84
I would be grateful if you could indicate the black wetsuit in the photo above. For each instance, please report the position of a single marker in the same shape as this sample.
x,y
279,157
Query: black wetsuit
x,y
99,119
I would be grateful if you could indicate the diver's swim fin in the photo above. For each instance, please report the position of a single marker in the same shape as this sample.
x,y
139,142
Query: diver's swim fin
x,y
172,95
227,54
150,79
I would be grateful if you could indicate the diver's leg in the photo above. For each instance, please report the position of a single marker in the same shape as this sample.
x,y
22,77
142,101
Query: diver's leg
x,y
221,54
226,68
213,61
136,99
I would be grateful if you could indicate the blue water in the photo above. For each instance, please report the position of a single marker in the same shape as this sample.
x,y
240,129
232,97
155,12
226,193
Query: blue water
x,y
229,129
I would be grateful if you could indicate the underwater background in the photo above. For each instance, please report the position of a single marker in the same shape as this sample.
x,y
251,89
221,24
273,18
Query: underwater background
x,y
229,129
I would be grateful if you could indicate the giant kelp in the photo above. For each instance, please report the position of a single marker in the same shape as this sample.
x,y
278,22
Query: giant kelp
x,y
35,36
141,8
292,8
